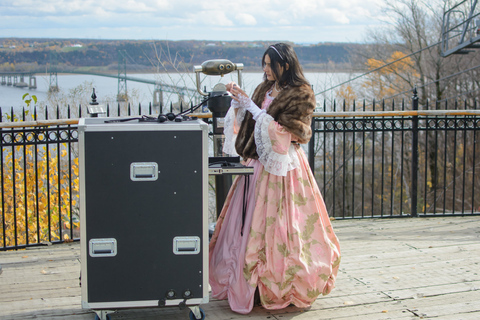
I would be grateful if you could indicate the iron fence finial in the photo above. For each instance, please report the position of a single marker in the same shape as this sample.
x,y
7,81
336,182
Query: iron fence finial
x,y
94,98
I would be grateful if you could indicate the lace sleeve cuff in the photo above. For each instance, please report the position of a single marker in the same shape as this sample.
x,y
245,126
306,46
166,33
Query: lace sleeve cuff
x,y
230,133
273,162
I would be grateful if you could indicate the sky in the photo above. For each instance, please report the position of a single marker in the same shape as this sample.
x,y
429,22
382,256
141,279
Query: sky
x,y
299,21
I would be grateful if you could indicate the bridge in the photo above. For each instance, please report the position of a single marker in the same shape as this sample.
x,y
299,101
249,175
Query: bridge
x,y
159,87
17,79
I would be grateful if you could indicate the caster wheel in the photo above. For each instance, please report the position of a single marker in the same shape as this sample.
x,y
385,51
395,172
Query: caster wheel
x,y
108,317
192,316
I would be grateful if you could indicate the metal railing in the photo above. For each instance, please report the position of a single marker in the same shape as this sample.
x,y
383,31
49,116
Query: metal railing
x,y
368,163
39,173
39,182
397,163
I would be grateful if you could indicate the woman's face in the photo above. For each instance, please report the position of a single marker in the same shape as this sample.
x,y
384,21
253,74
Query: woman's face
x,y
268,69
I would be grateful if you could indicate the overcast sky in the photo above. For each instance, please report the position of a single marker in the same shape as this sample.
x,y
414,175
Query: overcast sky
x,y
300,21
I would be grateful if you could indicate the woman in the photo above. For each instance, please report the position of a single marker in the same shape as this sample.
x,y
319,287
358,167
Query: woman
x,y
274,232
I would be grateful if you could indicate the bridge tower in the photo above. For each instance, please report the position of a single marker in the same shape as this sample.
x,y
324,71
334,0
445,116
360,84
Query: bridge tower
x,y
52,69
122,76
21,83
158,97
32,82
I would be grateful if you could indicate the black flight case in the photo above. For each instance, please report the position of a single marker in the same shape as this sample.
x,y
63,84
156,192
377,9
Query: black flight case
x,y
144,214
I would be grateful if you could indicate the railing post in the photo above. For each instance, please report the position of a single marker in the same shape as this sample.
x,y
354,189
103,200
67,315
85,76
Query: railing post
x,y
414,154
311,148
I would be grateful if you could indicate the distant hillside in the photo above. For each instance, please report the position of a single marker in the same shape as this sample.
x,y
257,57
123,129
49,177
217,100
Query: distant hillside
x,y
144,55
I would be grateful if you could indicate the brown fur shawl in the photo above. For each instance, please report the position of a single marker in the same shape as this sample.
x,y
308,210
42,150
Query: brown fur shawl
x,y
292,109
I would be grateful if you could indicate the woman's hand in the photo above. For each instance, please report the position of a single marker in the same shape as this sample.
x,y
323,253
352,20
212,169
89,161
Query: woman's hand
x,y
230,86
236,91
241,100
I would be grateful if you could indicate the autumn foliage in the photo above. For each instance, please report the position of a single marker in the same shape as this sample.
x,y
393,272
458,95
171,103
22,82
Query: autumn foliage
x,y
395,77
40,190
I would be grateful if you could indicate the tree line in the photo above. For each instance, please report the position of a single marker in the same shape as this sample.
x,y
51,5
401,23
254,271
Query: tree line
x,y
18,53
404,55
408,53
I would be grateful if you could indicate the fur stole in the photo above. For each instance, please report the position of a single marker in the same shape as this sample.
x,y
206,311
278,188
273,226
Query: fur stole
x,y
292,109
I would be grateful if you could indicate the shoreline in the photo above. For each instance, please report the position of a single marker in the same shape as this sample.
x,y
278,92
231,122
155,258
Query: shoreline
x,y
252,70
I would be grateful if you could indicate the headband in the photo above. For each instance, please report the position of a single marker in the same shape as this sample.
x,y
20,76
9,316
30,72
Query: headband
x,y
277,52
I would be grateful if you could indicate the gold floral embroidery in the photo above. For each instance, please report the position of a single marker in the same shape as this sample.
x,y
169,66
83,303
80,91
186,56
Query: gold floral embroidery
x,y
282,248
266,282
262,255
270,221
310,226
305,182
324,277
306,254
266,300
336,263
248,269
313,294
299,200
292,270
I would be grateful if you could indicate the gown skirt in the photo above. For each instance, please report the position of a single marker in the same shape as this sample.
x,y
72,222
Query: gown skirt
x,y
280,241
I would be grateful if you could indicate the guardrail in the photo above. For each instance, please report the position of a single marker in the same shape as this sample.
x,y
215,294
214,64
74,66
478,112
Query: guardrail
x,y
367,164
397,163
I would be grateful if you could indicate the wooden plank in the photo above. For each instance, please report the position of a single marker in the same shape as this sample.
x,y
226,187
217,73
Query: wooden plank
x,y
18,307
391,269
378,311
445,305
431,291
23,292
70,314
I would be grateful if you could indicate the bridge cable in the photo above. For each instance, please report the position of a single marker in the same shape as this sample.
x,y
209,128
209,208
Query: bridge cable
x,y
379,68
432,82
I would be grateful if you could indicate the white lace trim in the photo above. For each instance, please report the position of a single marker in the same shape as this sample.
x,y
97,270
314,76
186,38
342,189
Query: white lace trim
x,y
274,163
244,101
234,104
249,105
228,131
240,115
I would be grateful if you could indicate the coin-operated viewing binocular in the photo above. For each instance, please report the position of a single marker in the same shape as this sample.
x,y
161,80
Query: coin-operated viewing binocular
x,y
218,100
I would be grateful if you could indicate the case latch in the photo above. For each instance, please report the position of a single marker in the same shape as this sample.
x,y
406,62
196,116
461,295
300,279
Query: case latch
x,y
103,247
144,171
186,245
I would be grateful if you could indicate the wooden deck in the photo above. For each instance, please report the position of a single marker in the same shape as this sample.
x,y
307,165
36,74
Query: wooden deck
x,y
423,268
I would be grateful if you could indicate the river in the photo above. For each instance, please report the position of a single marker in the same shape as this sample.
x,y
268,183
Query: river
x,y
76,89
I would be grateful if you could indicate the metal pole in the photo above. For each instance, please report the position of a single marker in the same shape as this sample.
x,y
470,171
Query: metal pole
x,y
311,148
414,155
